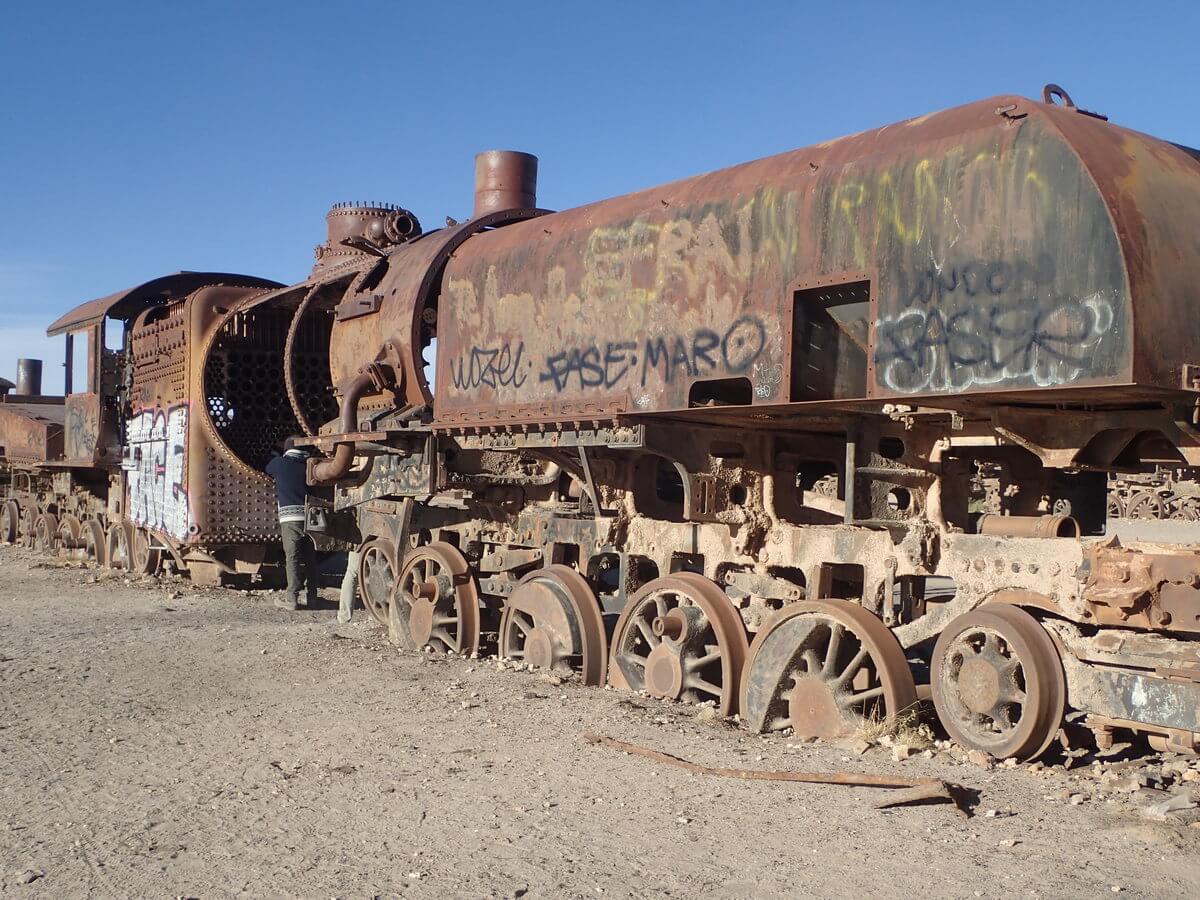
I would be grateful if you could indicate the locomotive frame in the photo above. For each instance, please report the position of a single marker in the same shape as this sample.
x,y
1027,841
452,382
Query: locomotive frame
x,y
725,441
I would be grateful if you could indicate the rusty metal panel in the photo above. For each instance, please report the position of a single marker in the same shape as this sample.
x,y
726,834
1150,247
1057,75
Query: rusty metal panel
x,y
1152,189
81,437
31,434
992,257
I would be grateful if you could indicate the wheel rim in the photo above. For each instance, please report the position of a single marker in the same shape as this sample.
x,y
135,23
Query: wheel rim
x,y
144,558
998,682
117,546
28,523
45,532
93,541
680,638
1116,507
552,621
435,601
70,530
376,578
1144,505
1186,509
824,668
10,522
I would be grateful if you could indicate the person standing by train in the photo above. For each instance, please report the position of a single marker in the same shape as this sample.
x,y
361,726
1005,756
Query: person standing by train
x,y
289,470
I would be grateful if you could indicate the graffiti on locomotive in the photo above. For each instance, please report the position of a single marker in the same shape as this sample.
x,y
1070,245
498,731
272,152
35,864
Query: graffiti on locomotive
x,y
156,473
702,257
979,322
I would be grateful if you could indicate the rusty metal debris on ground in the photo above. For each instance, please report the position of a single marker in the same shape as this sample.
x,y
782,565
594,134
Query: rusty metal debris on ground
x,y
914,789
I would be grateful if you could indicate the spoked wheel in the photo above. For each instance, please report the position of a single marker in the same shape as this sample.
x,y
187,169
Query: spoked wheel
x,y
94,545
144,557
998,682
116,546
552,620
377,577
45,533
1145,505
70,532
1186,509
435,601
679,637
823,668
1116,506
28,520
10,522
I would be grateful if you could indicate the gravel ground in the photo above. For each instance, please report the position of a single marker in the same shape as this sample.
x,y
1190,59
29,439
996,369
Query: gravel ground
x,y
157,740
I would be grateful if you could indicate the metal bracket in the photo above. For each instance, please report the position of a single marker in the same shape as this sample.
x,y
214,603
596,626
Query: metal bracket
x,y
589,484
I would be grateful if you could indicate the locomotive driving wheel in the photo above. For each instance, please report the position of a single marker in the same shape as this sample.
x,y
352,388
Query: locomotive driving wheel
x,y
116,546
377,577
1145,505
70,530
93,541
1116,506
28,520
435,601
144,557
1186,509
823,668
10,522
998,682
552,621
679,637
45,533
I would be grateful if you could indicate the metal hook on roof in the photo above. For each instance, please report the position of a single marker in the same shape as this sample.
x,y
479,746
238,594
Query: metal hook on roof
x,y
1050,91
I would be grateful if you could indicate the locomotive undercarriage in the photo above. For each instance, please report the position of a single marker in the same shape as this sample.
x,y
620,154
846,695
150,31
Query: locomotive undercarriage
x,y
748,571
69,514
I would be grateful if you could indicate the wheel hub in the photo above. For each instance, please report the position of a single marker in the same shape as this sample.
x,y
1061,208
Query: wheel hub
x,y
539,649
664,672
420,617
672,626
813,710
978,685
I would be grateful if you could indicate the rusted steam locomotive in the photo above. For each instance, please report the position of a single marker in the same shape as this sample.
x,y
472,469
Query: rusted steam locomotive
x,y
720,440
174,401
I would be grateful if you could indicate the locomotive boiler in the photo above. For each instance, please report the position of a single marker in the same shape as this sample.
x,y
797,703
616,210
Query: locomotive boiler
x,y
722,440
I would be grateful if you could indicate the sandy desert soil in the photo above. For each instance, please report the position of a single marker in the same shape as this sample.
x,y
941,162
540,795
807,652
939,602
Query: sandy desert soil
x,y
161,741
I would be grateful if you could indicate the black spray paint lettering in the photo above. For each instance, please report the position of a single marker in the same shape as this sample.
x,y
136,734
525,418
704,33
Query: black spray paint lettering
x,y
491,366
694,355
975,278
591,366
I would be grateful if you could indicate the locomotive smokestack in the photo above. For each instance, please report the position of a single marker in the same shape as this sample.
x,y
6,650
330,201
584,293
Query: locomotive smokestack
x,y
29,377
504,179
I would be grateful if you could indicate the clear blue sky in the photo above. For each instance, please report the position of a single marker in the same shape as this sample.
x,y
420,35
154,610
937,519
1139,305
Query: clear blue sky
x,y
144,138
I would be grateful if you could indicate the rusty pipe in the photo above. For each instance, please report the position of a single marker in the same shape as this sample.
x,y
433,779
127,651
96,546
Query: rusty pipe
x,y
335,467
1028,526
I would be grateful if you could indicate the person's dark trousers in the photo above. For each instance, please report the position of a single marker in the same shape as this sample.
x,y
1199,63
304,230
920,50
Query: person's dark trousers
x,y
301,561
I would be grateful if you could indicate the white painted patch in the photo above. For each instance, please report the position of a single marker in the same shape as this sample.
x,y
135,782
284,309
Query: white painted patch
x,y
157,470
